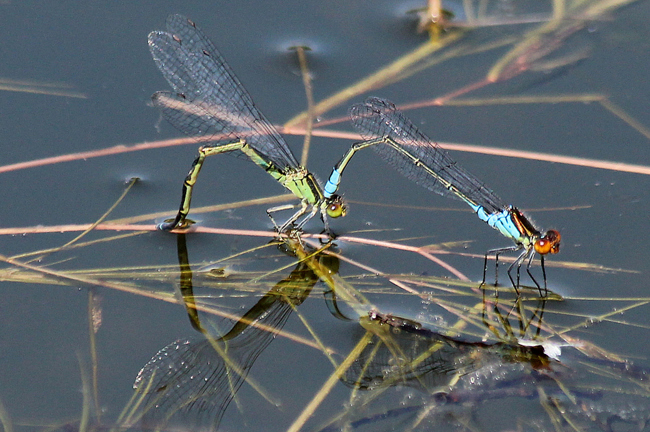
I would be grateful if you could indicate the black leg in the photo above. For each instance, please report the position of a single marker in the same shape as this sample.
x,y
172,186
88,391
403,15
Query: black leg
x,y
496,253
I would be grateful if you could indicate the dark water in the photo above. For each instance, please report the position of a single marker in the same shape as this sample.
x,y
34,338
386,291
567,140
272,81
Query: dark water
x,y
100,51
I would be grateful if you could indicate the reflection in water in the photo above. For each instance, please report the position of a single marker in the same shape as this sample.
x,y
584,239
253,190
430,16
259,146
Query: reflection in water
x,y
190,383
448,383
606,412
405,353
408,377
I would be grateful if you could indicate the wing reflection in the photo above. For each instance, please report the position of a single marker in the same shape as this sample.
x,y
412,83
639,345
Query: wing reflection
x,y
455,382
403,352
190,383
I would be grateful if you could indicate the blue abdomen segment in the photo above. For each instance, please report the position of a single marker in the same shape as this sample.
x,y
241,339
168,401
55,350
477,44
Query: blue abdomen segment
x,y
332,183
501,221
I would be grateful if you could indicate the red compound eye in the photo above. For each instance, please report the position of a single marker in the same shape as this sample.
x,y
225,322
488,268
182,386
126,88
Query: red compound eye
x,y
549,243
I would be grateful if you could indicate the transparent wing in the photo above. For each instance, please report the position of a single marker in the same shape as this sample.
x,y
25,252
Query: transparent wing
x,y
211,101
378,118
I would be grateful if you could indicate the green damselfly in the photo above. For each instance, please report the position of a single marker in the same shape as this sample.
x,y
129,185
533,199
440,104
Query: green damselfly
x,y
210,103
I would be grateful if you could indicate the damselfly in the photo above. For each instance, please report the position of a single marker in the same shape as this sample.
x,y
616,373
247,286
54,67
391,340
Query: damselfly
x,y
210,103
399,142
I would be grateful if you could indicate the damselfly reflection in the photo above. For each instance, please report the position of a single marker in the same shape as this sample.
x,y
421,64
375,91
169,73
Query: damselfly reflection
x,y
191,382
410,377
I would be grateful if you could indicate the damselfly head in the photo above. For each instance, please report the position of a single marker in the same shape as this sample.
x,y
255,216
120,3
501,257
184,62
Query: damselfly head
x,y
336,207
548,243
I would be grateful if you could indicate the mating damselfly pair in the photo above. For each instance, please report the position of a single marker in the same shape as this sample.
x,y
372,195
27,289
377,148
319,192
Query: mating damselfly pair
x,y
209,102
